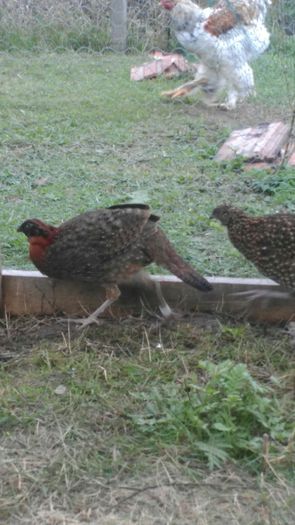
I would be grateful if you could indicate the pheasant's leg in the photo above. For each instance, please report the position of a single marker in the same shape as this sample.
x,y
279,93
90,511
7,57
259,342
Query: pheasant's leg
x,y
163,306
184,89
112,294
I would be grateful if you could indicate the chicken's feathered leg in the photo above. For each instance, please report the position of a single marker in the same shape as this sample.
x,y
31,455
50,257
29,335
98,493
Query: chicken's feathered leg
x,y
185,89
241,86
207,81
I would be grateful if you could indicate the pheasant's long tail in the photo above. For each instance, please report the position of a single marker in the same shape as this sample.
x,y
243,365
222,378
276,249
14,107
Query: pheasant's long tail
x,y
164,254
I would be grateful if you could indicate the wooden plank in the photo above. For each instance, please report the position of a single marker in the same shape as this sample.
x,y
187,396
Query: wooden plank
x,y
275,138
30,293
171,65
262,143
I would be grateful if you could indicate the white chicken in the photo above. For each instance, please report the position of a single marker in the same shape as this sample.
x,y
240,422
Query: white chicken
x,y
225,38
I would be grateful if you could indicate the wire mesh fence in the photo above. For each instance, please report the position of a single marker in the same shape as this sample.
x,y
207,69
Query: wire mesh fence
x,y
87,23
119,25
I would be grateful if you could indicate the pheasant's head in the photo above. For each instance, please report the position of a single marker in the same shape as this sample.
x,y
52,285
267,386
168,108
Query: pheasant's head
x,y
36,228
224,213
40,237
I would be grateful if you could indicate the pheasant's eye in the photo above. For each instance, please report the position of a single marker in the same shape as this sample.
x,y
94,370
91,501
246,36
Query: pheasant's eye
x,y
32,230
39,232
29,227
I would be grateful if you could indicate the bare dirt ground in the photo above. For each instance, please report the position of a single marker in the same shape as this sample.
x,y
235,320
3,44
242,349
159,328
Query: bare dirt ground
x,y
69,454
65,459
247,115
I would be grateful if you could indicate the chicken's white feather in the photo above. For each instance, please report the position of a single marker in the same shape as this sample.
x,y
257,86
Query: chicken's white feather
x,y
224,57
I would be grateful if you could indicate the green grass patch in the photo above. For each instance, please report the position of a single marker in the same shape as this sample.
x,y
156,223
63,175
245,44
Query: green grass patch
x,y
55,36
130,405
221,414
174,389
77,134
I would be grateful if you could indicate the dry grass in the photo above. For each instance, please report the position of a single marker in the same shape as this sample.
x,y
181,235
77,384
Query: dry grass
x,y
70,452
71,456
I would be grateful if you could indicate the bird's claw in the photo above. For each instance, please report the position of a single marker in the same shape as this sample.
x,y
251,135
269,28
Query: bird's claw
x,y
83,322
175,93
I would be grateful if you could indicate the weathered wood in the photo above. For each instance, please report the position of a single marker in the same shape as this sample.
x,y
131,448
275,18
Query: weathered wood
x,y
274,139
119,24
30,293
262,143
170,65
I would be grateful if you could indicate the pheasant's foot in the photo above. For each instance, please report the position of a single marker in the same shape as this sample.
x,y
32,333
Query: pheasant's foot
x,y
86,321
112,293
253,295
166,311
164,307
290,331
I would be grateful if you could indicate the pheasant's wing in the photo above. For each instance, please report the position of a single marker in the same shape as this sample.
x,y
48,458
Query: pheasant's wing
x,y
95,240
230,13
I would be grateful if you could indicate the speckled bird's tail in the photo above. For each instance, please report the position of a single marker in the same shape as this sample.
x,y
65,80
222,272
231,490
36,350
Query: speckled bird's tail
x,y
163,253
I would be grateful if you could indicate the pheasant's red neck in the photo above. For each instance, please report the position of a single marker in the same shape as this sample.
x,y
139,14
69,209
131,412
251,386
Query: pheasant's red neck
x,y
38,247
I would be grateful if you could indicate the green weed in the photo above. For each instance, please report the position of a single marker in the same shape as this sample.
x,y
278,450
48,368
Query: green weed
x,y
219,415
279,185
128,406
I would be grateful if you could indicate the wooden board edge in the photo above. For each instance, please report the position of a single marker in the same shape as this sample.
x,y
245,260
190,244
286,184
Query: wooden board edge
x,y
31,293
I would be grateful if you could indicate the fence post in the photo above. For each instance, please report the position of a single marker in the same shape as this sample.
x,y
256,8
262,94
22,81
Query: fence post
x,y
119,24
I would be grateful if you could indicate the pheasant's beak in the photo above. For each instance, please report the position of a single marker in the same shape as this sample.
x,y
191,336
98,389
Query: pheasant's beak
x,y
20,228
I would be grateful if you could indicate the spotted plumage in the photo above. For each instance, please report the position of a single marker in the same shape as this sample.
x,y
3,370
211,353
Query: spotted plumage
x,y
267,241
105,247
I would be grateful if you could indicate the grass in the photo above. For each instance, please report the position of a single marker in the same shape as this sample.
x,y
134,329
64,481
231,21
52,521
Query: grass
x,y
120,422
76,134
219,412
126,423
72,25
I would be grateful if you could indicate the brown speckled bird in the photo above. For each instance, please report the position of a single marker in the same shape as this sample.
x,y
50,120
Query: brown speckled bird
x,y
105,247
267,241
